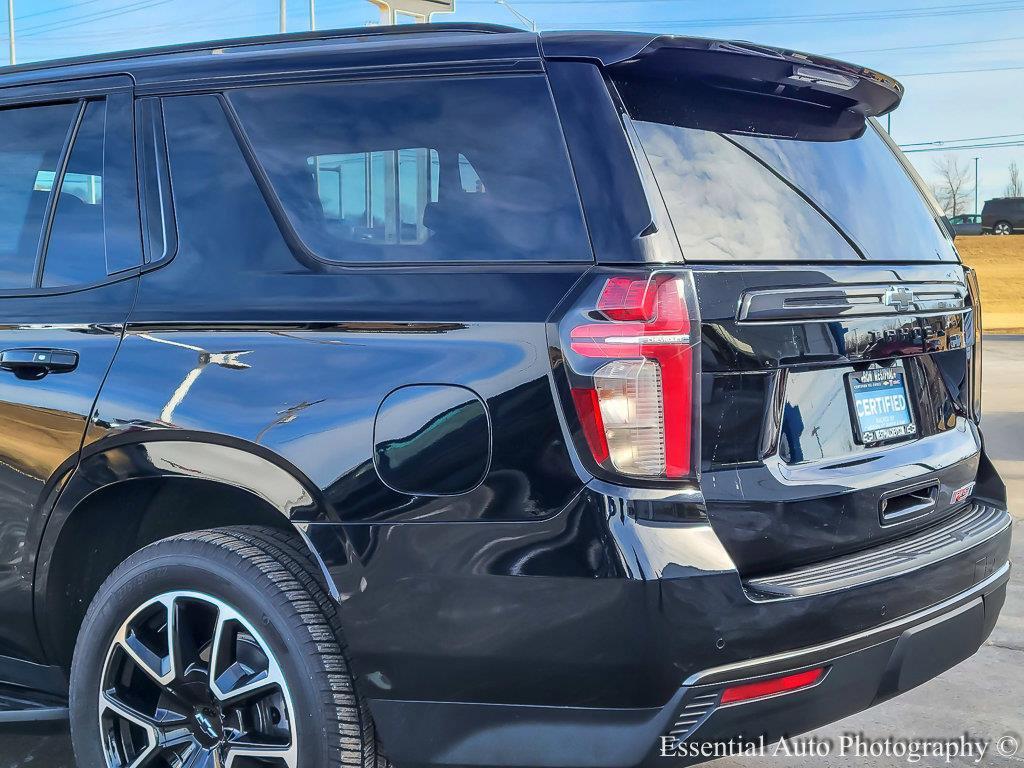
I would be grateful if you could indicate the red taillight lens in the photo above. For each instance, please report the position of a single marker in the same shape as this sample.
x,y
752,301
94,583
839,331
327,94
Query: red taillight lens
x,y
589,409
762,688
633,366
974,294
626,298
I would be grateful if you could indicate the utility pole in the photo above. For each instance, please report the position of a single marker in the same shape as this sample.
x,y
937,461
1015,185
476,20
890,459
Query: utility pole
x,y
312,15
284,16
975,184
10,30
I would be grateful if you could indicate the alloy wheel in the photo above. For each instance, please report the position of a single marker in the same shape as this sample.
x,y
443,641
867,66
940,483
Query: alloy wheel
x,y
1002,228
189,683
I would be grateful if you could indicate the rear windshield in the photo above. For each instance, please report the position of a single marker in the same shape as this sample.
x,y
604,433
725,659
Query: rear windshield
x,y
733,195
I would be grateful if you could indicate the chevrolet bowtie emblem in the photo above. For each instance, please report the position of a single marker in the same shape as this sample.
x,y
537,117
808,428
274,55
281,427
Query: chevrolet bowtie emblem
x,y
900,299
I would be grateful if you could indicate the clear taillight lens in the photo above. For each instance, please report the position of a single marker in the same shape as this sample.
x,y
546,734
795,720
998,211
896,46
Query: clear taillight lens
x,y
633,413
632,368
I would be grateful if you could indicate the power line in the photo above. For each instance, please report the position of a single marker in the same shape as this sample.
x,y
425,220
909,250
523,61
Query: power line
x,y
580,2
954,9
993,145
23,16
957,141
108,13
998,6
960,71
928,45
205,23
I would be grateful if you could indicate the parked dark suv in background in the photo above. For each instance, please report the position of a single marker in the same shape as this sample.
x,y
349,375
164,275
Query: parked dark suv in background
x,y
1003,215
476,398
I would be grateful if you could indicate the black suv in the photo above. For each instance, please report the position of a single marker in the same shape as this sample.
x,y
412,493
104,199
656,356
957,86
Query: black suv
x,y
1003,215
457,396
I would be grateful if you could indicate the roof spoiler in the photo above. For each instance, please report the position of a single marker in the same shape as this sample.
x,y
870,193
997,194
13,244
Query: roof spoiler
x,y
739,67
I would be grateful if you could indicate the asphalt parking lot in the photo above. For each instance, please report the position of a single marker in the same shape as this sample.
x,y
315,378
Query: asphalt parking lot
x,y
983,697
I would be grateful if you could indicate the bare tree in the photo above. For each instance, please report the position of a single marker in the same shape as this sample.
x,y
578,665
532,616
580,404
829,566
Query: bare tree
x,y
1016,186
952,191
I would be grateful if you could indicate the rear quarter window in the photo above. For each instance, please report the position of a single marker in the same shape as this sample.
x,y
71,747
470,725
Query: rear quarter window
x,y
431,170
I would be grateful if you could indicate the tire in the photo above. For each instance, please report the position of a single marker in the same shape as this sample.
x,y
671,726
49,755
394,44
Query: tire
x,y
281,684
1002,228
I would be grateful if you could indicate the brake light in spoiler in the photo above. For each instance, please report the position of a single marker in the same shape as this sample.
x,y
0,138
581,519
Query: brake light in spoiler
x,y
735,67
631,348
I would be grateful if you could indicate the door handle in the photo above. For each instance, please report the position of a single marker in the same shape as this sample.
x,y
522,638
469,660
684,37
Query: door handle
x,y
36,363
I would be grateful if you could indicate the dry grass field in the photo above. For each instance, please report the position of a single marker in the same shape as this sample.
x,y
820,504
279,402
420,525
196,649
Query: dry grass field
x,y
999,262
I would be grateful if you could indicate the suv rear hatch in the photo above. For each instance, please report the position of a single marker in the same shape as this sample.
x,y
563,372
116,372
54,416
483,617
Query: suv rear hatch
x,y
832,376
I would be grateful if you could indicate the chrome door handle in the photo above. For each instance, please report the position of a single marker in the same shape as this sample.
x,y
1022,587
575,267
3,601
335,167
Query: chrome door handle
x,y
36,363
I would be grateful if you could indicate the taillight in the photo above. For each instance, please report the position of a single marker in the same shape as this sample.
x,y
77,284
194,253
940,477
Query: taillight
x,y
632,357
974,294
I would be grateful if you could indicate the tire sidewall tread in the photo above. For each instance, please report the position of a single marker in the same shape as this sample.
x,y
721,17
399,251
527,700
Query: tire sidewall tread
x,y
265,575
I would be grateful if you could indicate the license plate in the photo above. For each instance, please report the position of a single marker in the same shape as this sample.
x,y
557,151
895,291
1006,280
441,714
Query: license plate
x,y
881,408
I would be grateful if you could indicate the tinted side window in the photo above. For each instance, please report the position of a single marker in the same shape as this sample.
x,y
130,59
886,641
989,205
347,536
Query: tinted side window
x,y
75,253
31,140
95,230
468,169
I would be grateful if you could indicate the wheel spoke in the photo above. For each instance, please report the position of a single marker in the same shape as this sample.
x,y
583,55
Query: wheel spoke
x,y
174,641
175,736
198,757
192,629
283,755
164,730
218,649
160,668
112,704
231,679
146,758
263,684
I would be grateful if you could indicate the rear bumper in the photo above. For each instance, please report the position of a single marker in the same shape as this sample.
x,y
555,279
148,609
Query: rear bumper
x,y
863,669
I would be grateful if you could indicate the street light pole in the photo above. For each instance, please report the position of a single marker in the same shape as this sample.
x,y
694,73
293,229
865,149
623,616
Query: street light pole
x,y
284,16
521,17
10,30
312,15
975,185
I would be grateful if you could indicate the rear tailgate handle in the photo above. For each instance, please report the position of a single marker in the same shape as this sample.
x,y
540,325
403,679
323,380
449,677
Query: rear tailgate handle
x,y
36,363
908,503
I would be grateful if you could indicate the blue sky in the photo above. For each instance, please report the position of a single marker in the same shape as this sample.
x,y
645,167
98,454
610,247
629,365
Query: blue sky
x,y
911,39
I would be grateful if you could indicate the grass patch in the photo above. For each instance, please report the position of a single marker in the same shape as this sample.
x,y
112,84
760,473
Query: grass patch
x,y
999,262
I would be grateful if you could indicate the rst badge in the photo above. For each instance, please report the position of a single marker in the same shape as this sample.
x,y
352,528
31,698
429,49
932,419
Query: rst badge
x,y
961,494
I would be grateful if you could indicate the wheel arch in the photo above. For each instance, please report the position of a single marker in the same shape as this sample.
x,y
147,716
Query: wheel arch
x,y
131,490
